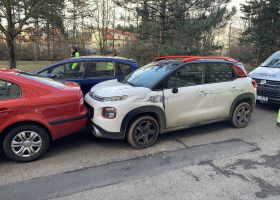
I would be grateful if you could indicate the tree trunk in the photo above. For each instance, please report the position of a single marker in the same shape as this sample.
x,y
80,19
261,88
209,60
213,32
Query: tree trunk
x,y
229,36
11,47
38,39
162,22
48,40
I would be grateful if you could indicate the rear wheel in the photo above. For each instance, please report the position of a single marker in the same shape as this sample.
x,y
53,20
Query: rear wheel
x,y
143,132
26,143
241,115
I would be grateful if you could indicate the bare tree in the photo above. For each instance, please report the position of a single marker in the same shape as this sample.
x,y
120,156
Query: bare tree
x,y
14,27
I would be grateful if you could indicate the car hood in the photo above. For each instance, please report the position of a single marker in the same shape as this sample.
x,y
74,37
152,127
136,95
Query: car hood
x,y
267,73
115,88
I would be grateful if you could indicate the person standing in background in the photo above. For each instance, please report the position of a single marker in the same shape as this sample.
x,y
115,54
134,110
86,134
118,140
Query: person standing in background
x,y
75,53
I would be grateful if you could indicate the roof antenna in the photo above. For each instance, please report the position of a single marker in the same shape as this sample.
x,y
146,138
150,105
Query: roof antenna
x,y
13,65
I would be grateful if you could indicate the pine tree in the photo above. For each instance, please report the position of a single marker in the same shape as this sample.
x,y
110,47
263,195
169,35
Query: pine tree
x,y
264,25
171,24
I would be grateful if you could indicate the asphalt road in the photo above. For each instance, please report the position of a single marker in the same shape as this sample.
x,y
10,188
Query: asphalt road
x,y
214,161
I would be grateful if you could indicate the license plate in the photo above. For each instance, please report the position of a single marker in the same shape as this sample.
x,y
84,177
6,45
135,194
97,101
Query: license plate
x,y
262,98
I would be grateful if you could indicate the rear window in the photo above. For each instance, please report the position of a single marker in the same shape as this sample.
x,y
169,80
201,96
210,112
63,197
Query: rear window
x,y
42,79
273,61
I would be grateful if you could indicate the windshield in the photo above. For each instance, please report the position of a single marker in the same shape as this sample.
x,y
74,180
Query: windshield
x,y
149,74
55,83
273,61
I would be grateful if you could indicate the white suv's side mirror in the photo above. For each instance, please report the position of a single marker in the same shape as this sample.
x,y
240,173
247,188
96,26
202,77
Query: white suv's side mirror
x,y
175,90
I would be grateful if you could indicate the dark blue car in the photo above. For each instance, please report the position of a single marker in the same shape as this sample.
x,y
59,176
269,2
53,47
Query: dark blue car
x,y
89,70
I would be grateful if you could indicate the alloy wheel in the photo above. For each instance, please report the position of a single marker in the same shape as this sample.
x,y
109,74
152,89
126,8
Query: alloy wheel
x,y
243,115
145,132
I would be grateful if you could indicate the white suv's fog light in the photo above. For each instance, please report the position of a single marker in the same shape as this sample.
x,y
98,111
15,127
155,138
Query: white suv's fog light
x,y
109,113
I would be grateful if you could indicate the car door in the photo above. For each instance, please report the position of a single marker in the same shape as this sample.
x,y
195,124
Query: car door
x,y
97,72
186,96
11,100
223,89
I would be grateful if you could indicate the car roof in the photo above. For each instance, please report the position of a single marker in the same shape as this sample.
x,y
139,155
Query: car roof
x,y
101,57
196,58
7,70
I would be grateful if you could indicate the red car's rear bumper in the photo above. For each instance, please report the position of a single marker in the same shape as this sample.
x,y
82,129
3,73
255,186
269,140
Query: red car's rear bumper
x,y
66,125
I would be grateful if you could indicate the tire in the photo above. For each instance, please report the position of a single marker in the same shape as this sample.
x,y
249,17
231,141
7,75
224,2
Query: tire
x,y
32,142
241,115
142,132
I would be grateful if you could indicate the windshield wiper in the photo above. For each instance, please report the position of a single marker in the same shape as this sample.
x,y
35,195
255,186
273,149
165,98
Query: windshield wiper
x,y
130,83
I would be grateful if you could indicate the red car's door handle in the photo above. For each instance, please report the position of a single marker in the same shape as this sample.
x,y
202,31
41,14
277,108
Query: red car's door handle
x,y
5,111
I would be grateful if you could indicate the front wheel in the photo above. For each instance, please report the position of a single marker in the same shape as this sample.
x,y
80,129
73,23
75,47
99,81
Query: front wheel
x,y
26,143
241,115
143,132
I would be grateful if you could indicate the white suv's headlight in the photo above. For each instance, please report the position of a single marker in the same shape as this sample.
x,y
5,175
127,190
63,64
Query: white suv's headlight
x,y
116,98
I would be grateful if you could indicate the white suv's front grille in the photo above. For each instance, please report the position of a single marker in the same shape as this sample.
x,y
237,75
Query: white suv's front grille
x,y
98,98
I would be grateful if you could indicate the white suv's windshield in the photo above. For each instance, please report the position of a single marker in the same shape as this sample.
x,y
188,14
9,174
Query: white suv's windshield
x,y
149,74
273,61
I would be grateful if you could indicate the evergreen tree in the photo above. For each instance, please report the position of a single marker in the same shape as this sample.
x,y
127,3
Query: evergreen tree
x,y
264,25
171,24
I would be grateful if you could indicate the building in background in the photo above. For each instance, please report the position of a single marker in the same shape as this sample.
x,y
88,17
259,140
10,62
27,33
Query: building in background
x,y
116,39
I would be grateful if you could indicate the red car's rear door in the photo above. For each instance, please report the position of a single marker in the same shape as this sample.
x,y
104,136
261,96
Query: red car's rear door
x,y
11,100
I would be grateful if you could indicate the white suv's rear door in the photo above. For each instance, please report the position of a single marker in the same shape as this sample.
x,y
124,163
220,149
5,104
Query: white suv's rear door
x,y
223,89
190,104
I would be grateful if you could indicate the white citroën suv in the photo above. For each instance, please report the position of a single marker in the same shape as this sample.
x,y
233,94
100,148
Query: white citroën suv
x,y
168,94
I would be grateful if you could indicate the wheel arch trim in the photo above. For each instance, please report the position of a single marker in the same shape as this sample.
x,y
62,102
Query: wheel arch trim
x,y
142,110
242,97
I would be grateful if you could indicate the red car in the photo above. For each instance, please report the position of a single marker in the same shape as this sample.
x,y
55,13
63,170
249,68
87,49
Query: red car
x,y
35,110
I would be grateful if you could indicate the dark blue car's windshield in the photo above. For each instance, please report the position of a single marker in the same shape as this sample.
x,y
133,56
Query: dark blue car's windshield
x,y
149,74
273,61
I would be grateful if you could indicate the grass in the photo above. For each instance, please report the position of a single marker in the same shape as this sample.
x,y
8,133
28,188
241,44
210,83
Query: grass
x,y
31,66
249,68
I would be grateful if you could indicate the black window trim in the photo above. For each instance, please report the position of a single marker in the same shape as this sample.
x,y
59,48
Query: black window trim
x,y
13,83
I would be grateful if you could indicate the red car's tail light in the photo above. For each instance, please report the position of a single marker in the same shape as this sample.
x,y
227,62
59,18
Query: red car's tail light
x,y
81,100
254,83
239,71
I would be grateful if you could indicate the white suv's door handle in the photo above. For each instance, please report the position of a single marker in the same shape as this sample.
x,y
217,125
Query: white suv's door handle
x,y
234,89
202,93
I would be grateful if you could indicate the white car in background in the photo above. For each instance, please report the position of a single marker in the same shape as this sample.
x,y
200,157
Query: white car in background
x,y
171,93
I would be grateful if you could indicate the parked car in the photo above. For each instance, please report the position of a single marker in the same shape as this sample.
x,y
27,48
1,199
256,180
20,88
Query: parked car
x,y
35,110
267,76
169,94
89,70
226,53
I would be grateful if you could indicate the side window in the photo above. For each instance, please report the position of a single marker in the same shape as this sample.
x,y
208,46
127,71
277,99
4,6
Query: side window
x,y
188,75
9,90
74,70
221,72
101,69
122,69
66,70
